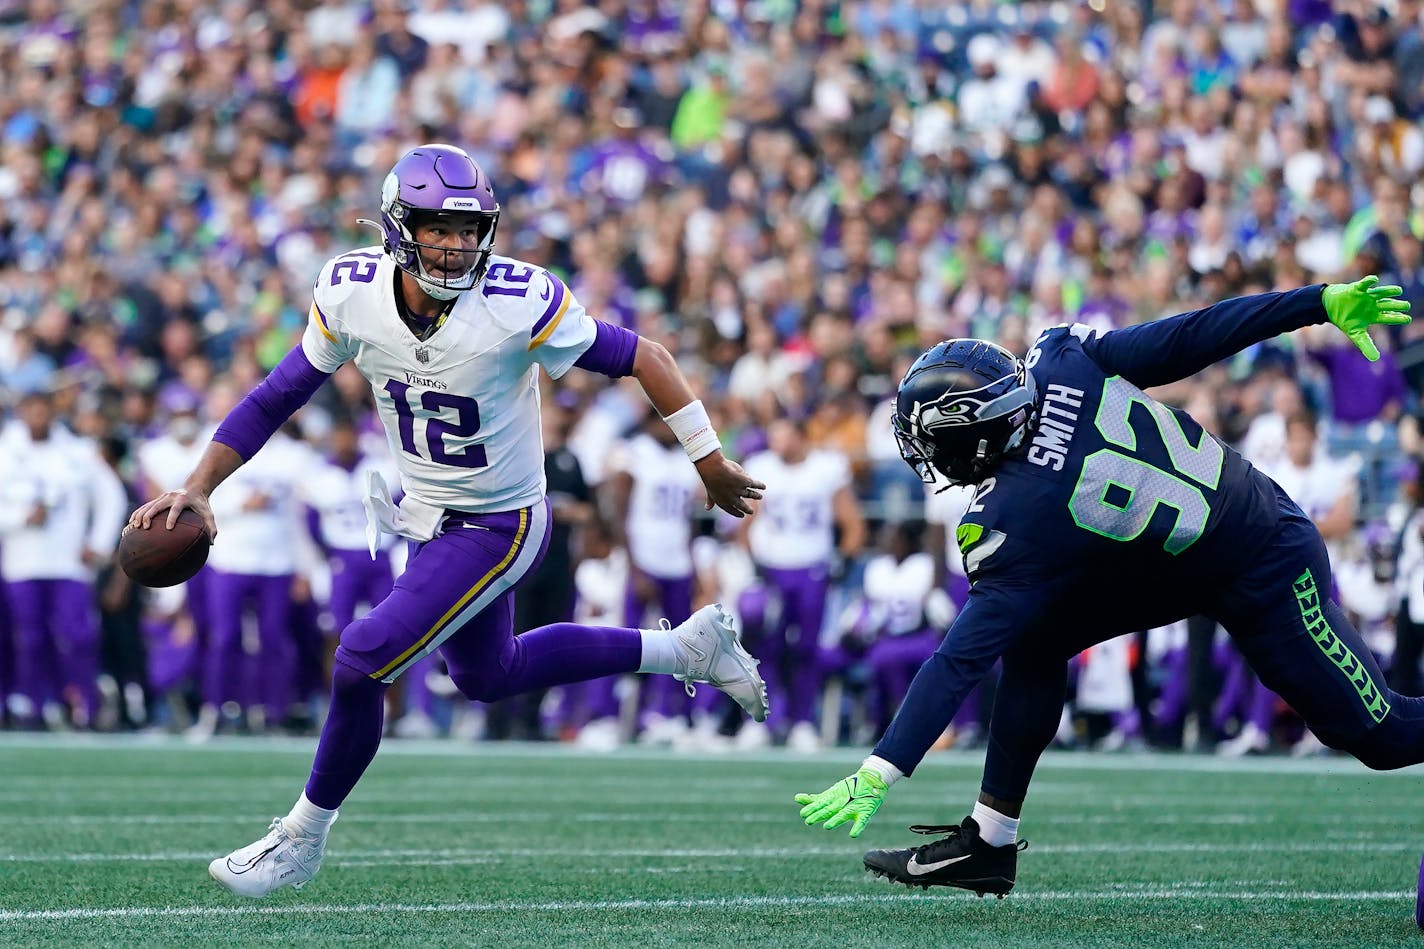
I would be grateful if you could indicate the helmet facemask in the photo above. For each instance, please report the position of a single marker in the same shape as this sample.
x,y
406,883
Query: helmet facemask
x,y
428,263
953,437
433,184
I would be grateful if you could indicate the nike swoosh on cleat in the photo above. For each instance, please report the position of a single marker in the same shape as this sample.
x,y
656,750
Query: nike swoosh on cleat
x,y
690,646
244,867
915,868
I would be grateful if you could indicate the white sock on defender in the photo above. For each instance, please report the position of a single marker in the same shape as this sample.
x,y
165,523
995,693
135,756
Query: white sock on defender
x,y
659,651
995,829
308,820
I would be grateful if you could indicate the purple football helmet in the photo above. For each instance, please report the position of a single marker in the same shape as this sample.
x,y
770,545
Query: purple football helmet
x,y
429,181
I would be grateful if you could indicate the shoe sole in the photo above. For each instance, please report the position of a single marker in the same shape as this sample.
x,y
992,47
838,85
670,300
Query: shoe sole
x,y
731,640
999,886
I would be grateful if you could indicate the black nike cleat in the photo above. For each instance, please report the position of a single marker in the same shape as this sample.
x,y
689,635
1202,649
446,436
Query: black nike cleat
x,y
960,859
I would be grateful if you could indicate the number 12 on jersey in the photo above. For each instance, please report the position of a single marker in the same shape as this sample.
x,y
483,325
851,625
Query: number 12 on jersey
x,y
465,425
1117,494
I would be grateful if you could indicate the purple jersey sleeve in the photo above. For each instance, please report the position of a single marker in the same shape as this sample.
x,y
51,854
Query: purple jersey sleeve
x,y
612,351
286,389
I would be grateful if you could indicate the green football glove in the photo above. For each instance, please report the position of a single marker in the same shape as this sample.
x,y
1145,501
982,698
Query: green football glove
x,y
1355,307
855,798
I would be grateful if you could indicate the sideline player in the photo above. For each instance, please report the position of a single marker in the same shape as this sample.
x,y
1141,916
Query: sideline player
x,y
451,338
1082,477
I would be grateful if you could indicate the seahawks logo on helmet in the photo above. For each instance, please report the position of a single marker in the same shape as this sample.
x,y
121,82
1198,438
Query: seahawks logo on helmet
x,y
961,408
950,409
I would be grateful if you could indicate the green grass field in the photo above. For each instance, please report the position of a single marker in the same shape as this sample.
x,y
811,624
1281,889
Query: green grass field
x,y
107,841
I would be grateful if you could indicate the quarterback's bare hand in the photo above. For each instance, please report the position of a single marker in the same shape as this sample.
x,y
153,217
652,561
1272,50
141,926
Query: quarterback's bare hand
x,y
174,502
728,486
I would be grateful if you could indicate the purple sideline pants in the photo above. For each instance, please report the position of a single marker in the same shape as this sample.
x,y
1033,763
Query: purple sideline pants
x,y
229,673
7,674
893,662
357,579
55,626
199,604
457,595
789,648
662,695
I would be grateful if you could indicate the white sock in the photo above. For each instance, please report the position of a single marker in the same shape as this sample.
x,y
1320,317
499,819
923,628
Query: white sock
x,y
308,820
995,829
659,651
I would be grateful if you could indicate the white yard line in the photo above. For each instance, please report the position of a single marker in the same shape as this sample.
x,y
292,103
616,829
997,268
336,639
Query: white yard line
x,y
850,851
1169,892
494,752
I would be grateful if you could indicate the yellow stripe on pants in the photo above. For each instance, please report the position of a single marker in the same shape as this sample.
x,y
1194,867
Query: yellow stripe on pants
x,y
470,594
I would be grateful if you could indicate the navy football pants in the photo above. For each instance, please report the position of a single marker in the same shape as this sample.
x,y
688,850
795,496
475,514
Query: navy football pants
x,y
1298,641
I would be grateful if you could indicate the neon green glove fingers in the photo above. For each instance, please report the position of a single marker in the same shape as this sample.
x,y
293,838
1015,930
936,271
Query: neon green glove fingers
x,y
853,800
1355,307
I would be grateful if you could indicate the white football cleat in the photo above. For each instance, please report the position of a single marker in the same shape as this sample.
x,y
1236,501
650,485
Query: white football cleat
x,y
277,860
709,649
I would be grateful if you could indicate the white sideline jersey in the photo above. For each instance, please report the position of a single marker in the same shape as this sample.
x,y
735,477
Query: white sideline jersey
x,y
899,588
600,585
338,497
1317,487
461,408
83,501
795,526
659,524
258,510
165,462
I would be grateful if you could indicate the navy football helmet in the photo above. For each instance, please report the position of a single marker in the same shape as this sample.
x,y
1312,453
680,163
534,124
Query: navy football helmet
x,y
961,408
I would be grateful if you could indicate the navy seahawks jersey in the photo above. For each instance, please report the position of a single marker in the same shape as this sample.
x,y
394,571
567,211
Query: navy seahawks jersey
x,y
1119,513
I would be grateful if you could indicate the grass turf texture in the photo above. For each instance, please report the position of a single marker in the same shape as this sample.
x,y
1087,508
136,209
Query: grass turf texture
x,y
107,841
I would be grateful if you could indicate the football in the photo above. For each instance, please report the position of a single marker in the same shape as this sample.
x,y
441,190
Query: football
x,y
159,557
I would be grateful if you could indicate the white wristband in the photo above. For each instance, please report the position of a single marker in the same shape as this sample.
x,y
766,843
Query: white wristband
x,y
694,430
887,771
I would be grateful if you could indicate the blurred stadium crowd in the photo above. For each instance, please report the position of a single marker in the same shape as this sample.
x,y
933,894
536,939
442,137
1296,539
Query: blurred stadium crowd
x,y
796,198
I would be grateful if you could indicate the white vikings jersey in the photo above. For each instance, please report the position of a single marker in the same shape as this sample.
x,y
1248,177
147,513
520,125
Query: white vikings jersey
x,y
338,496
899,589
1317,487
259,513
600,585
795,527
461,408
659,524
165,462
83,500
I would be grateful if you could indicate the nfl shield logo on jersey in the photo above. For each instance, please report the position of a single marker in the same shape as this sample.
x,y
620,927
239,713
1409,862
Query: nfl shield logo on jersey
x,y
422,354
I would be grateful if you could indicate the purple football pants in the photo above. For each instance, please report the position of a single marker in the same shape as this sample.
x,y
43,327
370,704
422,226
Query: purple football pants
x,y
789,645
457,595
230,674
55,627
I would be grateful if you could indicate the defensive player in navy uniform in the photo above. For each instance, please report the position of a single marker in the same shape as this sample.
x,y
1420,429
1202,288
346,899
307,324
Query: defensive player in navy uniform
x,y
1100,511
452,338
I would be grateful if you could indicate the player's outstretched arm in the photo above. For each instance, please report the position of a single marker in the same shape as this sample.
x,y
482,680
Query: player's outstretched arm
x,y
245,430
728,486
1164,351
982,633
